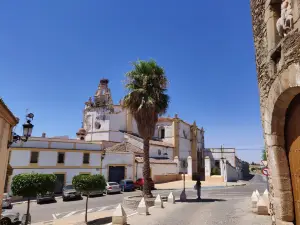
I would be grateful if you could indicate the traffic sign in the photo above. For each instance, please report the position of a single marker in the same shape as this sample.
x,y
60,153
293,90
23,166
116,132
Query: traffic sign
x,y
265,171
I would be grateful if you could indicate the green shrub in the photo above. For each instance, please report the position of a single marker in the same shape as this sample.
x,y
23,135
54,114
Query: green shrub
x,y
215,171
29,185
88,183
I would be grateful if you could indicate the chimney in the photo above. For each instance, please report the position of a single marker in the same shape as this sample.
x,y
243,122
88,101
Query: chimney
x,y
43,135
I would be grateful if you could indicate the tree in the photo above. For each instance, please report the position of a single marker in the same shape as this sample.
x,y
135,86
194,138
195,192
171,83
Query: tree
x,y
88,183
146,100
29,185
264,155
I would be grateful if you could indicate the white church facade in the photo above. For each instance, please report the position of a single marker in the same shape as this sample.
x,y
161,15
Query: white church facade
x,y
109,143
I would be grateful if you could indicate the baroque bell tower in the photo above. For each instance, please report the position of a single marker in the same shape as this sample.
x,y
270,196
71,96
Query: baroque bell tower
x,y
97,113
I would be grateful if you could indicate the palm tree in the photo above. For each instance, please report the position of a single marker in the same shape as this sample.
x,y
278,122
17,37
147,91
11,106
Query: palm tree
x,y
146,99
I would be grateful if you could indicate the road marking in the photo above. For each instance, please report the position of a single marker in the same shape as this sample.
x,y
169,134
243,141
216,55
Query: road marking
x,y
70,214
54,215
102,208
89,210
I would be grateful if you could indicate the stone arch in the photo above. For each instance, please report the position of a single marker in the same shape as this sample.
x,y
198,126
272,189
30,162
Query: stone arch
x,y
285,87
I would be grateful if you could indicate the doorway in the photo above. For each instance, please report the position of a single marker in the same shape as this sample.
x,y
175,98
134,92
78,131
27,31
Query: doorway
x,y
292,141
116,173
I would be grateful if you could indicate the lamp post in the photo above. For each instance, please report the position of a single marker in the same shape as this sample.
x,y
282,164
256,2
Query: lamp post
x,y
102,158
224,166
183,165
27,131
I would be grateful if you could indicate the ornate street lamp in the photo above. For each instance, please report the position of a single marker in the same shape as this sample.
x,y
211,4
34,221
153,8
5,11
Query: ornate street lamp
x,y
27,131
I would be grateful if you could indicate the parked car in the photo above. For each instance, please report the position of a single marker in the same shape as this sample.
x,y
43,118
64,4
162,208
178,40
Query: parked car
x,y
112,187
49,196
9,217
127,185
6,201
69,192
139,184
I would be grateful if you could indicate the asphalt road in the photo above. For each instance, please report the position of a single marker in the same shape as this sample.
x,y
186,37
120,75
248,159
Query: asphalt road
x,y
50,211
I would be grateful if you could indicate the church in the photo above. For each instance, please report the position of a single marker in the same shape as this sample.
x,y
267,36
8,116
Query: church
x,y
109,143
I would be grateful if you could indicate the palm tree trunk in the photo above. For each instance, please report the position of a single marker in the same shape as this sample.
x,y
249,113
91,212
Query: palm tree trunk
x,y
146,171
86,206
27,214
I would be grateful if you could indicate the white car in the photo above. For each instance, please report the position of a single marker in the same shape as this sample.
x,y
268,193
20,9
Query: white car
x,y
112,187
9,217
6,201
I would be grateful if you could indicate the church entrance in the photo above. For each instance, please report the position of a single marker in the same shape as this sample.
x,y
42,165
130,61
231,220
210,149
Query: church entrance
x,y
292,141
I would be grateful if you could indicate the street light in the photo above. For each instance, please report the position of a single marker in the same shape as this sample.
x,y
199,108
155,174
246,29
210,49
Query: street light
x,y
27,131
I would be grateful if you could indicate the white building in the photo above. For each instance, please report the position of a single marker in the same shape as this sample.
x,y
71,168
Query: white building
x,y
222,164
109,144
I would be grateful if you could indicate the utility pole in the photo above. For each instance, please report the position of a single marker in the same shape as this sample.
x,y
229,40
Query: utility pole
x,y
224,166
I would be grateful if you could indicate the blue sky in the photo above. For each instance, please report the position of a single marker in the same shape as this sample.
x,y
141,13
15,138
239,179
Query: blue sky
x,y
53,54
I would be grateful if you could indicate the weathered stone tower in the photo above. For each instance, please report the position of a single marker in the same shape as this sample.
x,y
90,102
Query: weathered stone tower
x,y
277,42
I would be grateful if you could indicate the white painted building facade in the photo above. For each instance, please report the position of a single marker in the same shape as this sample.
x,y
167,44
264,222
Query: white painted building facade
x,y
97,149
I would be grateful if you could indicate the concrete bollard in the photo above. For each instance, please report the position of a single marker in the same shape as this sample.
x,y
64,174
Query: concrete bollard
x,y
142,208
171,198
158,203
262,207
258,195
119,216
254,200
266,198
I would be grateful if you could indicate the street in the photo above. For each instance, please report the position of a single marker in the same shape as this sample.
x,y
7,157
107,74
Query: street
x,y
60,209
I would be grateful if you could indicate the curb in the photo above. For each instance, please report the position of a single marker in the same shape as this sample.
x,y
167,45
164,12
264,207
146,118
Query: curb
x,y
34,200
204,187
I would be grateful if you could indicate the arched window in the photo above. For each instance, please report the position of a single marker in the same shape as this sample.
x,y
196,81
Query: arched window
x,y
159,152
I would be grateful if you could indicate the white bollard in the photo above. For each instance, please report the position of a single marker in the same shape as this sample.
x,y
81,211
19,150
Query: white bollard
x,y
254,200
262,207
258,195
171,198
266,198
158,203
142,208
119,216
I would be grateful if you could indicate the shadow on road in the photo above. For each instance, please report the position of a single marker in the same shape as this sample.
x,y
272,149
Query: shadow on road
x,y
195,200
104,220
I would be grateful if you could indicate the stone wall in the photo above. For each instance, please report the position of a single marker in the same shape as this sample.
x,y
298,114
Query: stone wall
x,y
277,62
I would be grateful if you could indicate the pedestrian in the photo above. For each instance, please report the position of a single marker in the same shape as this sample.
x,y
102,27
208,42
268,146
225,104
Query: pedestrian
x,y
198,188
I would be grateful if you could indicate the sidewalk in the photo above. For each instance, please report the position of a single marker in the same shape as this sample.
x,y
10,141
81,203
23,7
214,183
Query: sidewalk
x,y
209,212
190,184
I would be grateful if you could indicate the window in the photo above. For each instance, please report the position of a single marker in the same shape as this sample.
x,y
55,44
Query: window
x,y
159,152
86,158
34,157
162,133
61,157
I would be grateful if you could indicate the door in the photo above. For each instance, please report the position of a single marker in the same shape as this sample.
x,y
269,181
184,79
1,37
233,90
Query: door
x,y
292,138
116,173
60,182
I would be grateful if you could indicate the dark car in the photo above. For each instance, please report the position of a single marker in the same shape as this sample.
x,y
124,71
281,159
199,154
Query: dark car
x,y
69,192
49,196
127,185
139,184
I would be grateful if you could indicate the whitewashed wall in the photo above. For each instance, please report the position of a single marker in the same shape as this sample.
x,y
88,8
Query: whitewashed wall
x,y
184,141
93,133
232,174
216,154
116,136
47,158
73,158
118,120
134,126
154,152
157,169
19,158
119,158
168,126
